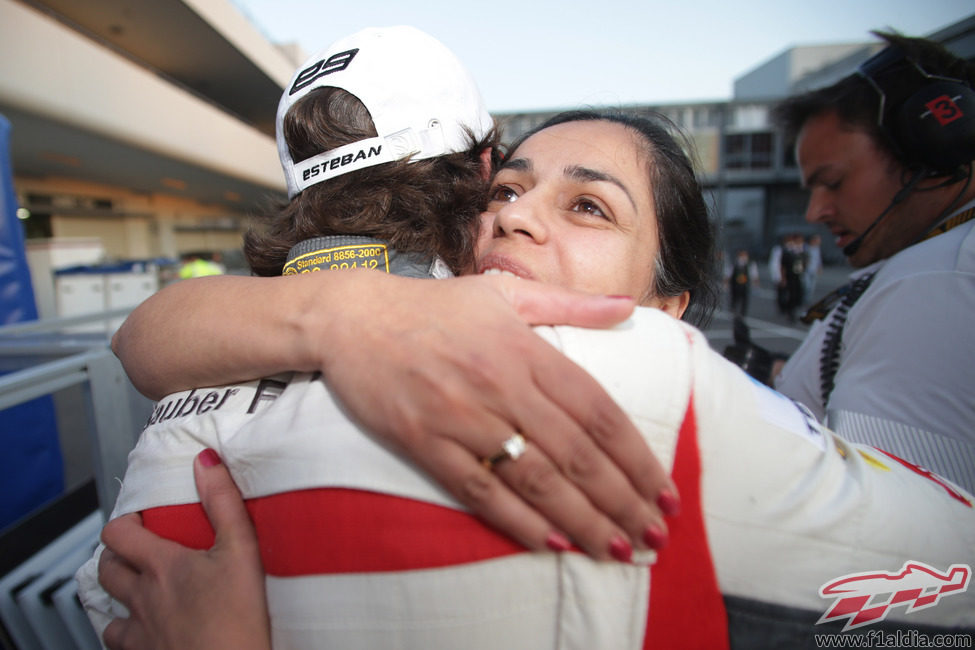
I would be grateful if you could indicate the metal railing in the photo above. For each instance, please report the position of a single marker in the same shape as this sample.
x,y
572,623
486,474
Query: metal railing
x,y
39,609
112,422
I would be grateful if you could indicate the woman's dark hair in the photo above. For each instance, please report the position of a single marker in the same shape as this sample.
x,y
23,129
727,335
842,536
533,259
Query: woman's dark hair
x,y
686,259
430,207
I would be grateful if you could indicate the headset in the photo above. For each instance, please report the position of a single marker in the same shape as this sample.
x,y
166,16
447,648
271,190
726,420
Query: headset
x,y
934,125
931,129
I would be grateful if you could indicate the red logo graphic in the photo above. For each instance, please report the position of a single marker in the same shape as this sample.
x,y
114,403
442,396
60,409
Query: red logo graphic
x,y
944,109
917,586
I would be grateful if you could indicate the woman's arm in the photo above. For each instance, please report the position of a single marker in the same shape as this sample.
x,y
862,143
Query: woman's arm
x,y
444,370
221,329
216,330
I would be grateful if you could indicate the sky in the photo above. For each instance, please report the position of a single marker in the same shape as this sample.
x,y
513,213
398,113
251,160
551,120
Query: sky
x,y
551,54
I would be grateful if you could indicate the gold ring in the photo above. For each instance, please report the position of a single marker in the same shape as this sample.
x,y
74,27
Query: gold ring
x,y
511,448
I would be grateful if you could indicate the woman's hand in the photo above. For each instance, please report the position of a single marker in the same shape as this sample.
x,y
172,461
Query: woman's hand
x,y
448,370
182,599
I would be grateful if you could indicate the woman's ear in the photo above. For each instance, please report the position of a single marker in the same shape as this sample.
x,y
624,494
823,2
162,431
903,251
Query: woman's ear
x,y
486,164
674,305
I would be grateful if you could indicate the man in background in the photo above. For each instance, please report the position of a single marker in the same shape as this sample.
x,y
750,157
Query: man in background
x,y
886,155
814,267
740,276
196,265
792,263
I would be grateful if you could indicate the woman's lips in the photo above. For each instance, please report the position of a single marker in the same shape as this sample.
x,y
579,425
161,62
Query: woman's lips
x,y
500,265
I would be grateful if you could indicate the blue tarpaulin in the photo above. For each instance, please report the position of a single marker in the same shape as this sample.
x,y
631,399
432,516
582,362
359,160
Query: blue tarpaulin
x,y
31,467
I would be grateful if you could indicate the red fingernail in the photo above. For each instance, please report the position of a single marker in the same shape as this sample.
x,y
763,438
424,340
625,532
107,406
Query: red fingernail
x,y
209,458
655,537
668,502
558,542
620,549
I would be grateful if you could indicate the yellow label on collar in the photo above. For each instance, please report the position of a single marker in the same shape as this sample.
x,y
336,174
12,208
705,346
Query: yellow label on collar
x,y
353,256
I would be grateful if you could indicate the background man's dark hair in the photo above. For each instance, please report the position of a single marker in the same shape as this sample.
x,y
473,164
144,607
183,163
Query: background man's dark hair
x,y
857,103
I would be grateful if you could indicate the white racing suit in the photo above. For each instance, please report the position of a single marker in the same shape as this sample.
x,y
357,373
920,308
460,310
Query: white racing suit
x,y
362,550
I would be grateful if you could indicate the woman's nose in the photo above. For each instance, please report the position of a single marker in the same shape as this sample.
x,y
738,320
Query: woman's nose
x,y
523,216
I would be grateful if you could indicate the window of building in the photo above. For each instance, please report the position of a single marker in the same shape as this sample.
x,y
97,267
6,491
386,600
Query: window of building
x,y
761,157
37,226
736,151
749,150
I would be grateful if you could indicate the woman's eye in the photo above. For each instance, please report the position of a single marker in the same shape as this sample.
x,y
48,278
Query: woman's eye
x,y
588,207
503,193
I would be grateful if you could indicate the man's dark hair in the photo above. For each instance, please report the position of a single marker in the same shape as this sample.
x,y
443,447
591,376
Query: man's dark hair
x,y
430,207
686,259
857,103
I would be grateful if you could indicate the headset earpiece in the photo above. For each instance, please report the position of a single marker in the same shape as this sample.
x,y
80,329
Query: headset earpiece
x,y
936,125
932,127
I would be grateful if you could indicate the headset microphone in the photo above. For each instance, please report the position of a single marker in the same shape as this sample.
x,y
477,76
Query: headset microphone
x,y
850,249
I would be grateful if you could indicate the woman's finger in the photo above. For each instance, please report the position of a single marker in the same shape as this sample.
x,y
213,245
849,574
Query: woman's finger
x,y
117,576
486,495
127,538
222,501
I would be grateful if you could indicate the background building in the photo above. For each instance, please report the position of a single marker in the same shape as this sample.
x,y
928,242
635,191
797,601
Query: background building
x,y
139,130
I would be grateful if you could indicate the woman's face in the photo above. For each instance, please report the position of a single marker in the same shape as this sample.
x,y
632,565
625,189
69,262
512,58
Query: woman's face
x,y
573,206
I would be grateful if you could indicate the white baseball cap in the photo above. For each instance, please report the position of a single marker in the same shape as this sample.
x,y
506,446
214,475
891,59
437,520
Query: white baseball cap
x,y
420,97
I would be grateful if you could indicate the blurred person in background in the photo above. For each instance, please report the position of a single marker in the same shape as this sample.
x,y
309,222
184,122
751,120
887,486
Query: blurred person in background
x,y
740,276
814,267
792,268
196,265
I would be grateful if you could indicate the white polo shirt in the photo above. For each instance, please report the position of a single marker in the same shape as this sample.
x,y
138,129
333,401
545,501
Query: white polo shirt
x,y
906,377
